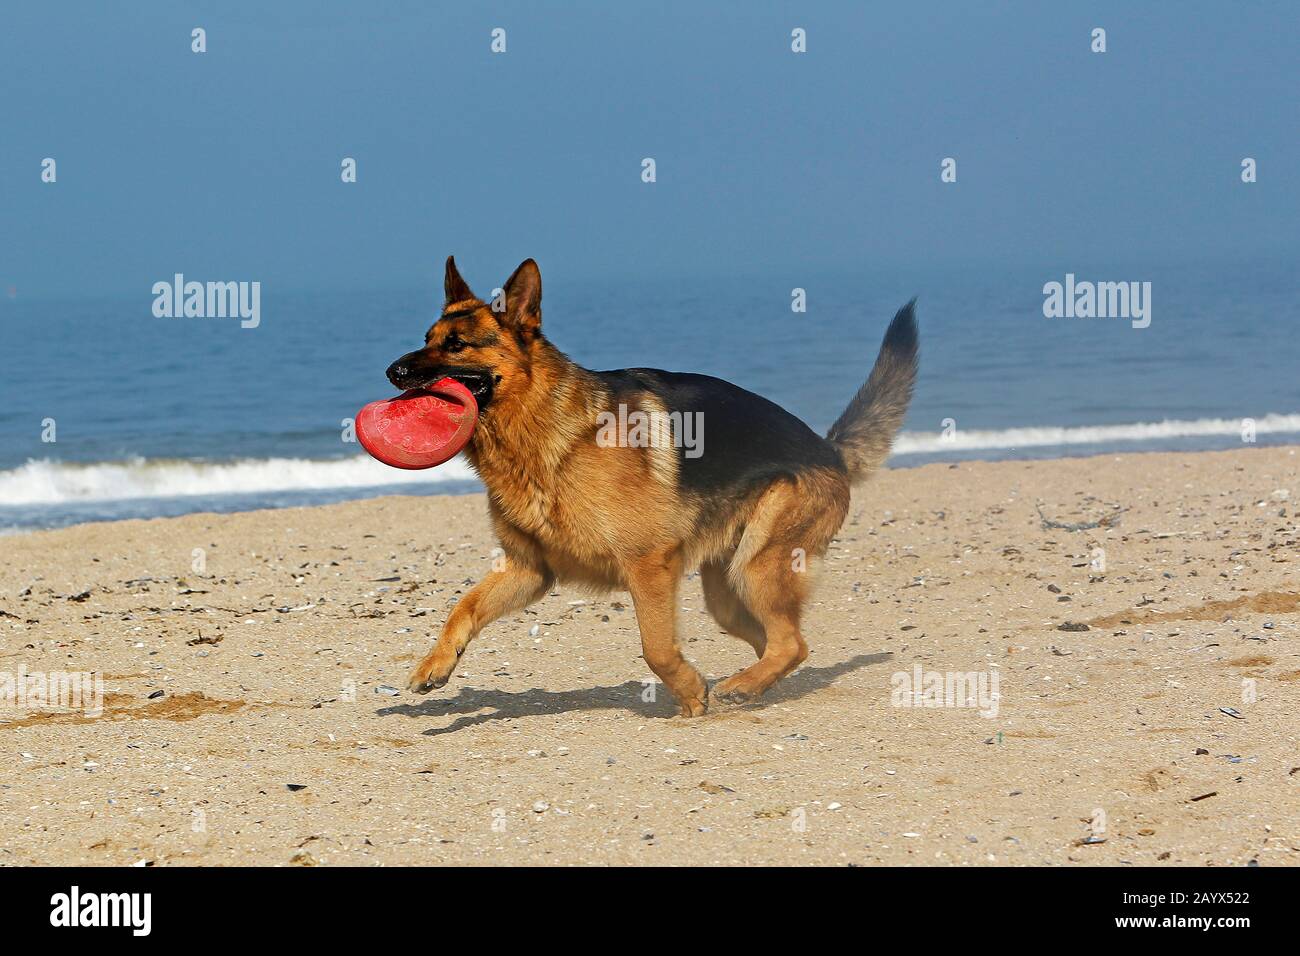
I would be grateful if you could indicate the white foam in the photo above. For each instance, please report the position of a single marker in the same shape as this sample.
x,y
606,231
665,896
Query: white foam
x,y
46,482
1046,436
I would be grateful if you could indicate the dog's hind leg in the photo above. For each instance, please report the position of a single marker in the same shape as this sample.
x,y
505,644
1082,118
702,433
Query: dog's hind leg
x,y
653,581
775,594
727,609
501,592
792,526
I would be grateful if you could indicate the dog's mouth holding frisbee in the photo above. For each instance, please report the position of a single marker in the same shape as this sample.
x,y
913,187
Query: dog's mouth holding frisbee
x,y
478,384
430,422
407,374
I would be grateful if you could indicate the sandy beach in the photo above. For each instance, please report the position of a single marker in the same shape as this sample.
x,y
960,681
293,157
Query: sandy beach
x,y
1139,613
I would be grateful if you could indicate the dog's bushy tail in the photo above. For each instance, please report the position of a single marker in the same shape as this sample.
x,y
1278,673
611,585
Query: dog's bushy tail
x,y
865,432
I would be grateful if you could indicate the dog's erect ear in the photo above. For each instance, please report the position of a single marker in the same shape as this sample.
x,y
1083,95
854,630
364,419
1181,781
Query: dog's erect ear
x,y
457,289
523,292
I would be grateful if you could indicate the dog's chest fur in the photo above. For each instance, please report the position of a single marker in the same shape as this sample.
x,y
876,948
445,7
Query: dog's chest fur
x,y
579,505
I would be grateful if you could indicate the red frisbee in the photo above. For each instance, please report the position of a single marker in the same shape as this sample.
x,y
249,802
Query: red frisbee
x,y
420,428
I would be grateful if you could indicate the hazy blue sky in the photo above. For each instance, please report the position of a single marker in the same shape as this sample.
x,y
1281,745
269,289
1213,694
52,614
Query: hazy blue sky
x,y
225,165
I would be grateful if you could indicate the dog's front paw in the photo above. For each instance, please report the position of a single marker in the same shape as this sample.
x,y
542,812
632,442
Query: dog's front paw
x,y
428,676
418,685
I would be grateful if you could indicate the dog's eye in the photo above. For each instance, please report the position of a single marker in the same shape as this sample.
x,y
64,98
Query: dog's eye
x,y
453,343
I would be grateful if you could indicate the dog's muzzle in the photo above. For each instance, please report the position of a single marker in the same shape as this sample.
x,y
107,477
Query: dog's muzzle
x,y
411,371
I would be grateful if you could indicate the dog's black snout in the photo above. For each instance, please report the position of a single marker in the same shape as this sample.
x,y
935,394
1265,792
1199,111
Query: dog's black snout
x,y
398,373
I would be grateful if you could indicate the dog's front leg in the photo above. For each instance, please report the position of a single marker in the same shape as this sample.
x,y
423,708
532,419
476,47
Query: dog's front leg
x,y
653,582
501,592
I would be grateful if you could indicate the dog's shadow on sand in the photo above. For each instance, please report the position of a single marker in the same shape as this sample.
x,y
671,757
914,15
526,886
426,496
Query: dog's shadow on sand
x,y
502,705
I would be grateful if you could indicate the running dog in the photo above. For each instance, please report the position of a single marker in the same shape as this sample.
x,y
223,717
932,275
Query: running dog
x,y
752,505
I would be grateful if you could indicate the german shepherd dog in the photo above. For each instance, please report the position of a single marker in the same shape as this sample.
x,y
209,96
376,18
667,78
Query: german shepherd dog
x,y
752,512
